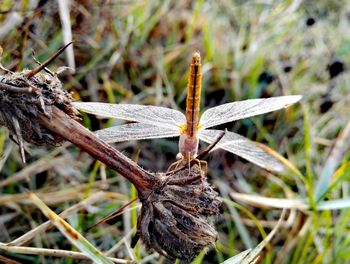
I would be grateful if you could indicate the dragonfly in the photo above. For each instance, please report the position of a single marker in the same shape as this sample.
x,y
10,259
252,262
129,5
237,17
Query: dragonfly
x,y
160,122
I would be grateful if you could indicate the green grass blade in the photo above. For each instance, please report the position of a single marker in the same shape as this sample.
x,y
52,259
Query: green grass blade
x,y
70,233
249,256
334,204
307,149
238,258
333,161
342,174
243,232
249,214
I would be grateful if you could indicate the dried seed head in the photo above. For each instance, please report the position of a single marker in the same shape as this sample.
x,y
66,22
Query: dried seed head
x,y
174,219
22,99
24,95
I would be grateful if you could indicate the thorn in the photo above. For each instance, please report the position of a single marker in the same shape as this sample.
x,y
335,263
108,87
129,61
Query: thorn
x,y
39,63
201,155
114,214
47,62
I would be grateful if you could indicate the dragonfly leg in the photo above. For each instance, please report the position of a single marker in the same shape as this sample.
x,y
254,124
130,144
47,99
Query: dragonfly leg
x,y
200,164
203,163
181,160
189,163
174,166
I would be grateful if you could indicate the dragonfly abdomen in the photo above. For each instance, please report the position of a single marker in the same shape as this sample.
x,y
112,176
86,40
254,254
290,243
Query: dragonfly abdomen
x,y
188,144
193,95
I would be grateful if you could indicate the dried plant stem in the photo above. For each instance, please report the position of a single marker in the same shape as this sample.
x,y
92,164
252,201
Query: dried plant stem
x,y
66,127
35,168
52,252
48,224
14,89
120,243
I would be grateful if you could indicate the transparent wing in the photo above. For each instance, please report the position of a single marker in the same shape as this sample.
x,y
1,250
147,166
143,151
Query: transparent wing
x,y
147,114
242,109
135,131
242,147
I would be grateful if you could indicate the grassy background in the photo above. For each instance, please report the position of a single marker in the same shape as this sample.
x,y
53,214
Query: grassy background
x,y
139,52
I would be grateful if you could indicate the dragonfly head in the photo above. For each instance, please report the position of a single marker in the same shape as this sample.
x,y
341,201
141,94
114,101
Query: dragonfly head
x,y
196,58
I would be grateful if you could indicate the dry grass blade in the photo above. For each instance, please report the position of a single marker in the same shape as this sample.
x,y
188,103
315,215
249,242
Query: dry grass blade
x,y
266,202
49,198
35,168
70,233
122,241
57,197
12,21
53,253
63,6
48,224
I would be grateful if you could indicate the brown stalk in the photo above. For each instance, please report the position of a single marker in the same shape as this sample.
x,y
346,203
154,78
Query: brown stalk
x,y
71,130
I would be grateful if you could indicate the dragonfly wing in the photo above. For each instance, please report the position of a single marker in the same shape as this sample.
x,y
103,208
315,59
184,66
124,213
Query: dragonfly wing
x,y
146,114
242,109
242,147
135,131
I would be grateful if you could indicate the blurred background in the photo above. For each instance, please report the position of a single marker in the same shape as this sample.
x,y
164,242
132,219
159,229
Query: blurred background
x,y
139,52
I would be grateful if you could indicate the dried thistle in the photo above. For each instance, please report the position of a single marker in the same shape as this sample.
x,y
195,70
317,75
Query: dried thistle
x,y
176,206
26,95
174,217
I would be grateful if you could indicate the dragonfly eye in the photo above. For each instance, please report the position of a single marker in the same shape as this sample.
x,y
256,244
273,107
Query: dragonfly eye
x,y
179,156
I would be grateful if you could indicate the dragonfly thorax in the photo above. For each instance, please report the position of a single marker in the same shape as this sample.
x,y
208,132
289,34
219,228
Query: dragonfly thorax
x,y
188,146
